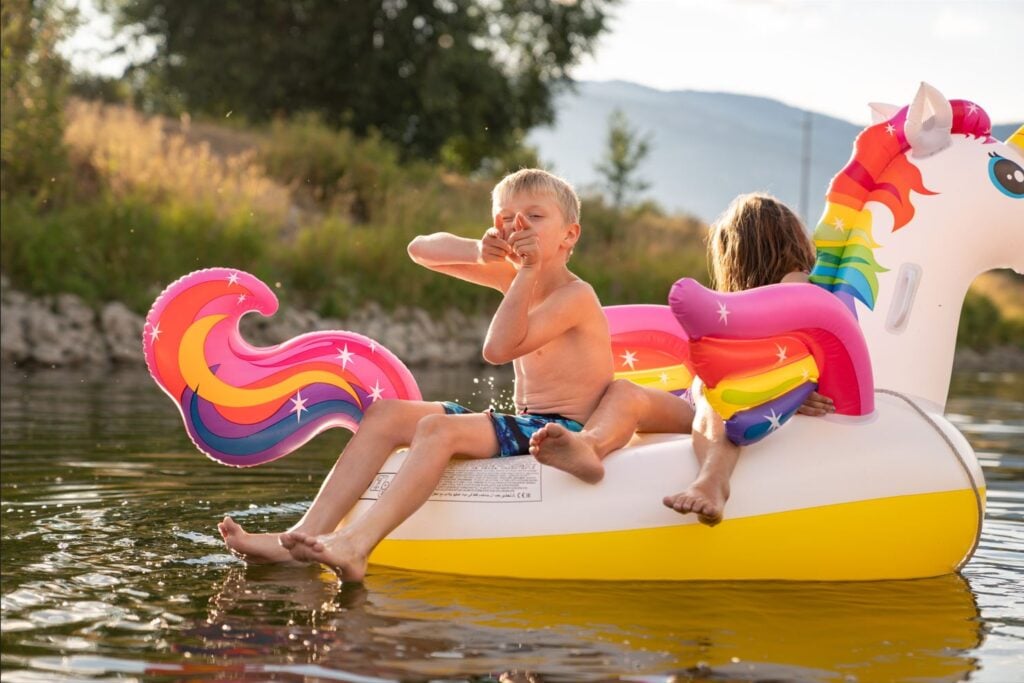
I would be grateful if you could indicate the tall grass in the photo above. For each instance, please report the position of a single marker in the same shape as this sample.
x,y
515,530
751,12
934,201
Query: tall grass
x,y
143,158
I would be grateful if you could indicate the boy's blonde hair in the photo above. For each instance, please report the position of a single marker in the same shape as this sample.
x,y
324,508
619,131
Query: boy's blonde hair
x,y
538,181
757,241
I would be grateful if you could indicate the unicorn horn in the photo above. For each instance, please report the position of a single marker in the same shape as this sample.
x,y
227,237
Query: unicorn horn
x,y
1017,140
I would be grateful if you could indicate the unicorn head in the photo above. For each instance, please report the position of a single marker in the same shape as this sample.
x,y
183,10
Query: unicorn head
x,y
927,202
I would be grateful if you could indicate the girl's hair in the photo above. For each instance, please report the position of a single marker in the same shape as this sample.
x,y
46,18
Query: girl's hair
x,y
757,241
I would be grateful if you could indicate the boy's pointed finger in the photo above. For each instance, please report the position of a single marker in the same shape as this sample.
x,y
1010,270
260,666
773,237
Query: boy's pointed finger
x,y
499,225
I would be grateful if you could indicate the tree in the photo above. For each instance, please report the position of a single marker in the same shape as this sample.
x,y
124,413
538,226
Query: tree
x,y
463,76
625,152
33,79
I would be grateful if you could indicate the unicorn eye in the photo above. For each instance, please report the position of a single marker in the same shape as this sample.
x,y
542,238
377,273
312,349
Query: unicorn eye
x,y
1006,175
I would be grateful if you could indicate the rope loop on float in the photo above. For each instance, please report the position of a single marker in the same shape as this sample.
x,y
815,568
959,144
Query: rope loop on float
x,y
963,465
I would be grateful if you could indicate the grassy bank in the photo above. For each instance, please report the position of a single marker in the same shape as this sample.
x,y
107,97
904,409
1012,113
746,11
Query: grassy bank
x,y
327,215
323,213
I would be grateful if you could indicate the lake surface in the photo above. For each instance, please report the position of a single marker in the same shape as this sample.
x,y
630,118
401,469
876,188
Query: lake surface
x,y
112,569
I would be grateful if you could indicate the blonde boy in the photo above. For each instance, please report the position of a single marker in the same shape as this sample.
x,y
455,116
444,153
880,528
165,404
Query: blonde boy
x,y
549,325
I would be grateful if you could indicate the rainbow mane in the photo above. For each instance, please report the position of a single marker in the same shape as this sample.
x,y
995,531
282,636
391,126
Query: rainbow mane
x,y
878,171
244,405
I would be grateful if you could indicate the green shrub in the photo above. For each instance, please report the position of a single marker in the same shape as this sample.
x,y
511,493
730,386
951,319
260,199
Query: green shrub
x,y
124,249
337,170
982,326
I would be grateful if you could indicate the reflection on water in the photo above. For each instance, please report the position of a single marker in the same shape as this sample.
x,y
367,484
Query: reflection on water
x,y
112,568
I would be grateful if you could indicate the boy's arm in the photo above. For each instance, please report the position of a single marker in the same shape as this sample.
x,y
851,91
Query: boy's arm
x,y
481,262
516,330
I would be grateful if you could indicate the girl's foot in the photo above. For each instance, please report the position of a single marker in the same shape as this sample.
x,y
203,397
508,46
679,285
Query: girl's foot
x,y
705,498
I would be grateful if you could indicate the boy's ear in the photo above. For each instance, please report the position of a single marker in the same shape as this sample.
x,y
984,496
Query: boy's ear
x,y
572,235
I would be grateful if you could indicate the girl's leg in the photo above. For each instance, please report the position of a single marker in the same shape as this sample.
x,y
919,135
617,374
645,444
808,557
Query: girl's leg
x,y
436,440
624,409
717,457
387,425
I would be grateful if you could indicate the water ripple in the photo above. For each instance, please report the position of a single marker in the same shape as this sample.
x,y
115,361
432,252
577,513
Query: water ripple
x,y
112,568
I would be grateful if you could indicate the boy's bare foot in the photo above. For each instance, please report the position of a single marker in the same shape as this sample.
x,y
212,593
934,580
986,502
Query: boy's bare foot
x,y
556,446
253,548
705,498
335,550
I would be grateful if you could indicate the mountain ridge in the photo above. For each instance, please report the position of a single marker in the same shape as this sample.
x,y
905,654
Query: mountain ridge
x,y
706,146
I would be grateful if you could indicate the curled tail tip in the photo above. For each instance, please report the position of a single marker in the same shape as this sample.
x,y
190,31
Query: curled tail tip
x,y
259,404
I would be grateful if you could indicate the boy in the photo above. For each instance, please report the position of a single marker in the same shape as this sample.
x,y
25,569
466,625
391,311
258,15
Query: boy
x,y
549,325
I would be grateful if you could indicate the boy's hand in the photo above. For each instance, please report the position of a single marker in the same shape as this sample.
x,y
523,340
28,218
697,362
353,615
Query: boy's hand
x,y
817,404
525,243
493,245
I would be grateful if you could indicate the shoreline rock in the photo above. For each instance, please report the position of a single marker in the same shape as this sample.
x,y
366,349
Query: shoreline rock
x,y
64,331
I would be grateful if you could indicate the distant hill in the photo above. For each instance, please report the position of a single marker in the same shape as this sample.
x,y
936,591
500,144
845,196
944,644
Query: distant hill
x,y
707,147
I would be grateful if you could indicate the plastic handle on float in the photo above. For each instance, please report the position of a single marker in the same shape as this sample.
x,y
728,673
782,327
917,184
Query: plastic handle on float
x,y
907,281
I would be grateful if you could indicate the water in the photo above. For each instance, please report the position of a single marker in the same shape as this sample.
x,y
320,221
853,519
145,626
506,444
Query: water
x,y
112,569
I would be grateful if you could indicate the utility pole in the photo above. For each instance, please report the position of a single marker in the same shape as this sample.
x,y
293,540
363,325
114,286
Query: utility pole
x,y
805,165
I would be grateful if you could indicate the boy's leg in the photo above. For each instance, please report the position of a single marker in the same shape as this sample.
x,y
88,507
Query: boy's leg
x,y
437,439
624,409
717,456
387,425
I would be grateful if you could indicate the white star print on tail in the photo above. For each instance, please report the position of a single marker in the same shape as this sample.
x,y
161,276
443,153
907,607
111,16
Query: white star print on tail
x,y
299,404
723,313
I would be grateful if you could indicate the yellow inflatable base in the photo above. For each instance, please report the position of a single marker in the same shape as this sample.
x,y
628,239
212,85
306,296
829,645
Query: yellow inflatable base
x,y
902,537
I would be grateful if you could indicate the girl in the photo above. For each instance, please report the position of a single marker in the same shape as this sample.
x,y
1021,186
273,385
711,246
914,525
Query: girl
x,y
757,241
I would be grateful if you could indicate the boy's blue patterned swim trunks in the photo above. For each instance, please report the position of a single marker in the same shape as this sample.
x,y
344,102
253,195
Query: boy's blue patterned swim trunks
x,y
514,431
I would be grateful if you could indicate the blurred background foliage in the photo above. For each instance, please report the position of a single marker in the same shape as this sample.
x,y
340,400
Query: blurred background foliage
x,y
308,142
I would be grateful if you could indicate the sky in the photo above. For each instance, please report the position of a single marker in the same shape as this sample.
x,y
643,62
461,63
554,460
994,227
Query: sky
x,y
829,56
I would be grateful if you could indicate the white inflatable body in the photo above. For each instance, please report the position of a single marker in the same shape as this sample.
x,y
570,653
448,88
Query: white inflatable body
x,y
824,499
897,494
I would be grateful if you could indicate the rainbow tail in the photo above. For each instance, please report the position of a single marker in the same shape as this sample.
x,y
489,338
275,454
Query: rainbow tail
x,y
244,405
760,353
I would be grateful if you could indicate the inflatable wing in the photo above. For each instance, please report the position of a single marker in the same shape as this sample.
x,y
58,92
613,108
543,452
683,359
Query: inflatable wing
x,y
650,348
760,353
244,405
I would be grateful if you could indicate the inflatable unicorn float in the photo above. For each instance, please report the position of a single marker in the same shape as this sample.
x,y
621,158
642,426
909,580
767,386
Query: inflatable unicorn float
x,y
886,488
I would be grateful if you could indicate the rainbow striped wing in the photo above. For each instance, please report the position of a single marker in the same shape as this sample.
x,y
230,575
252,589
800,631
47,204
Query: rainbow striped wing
x,y
650,347
760,353
244,405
